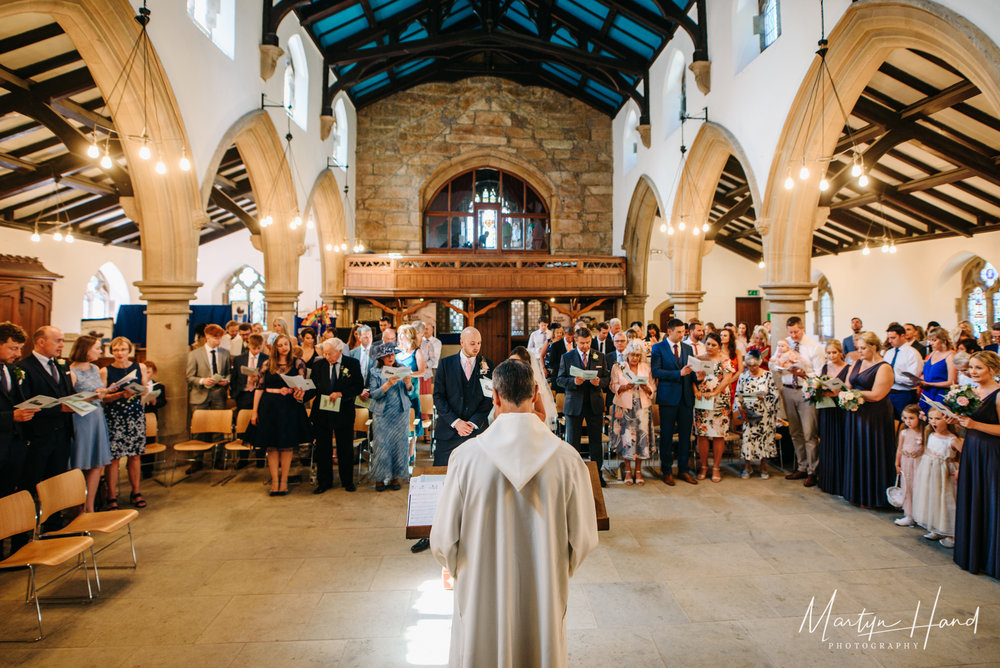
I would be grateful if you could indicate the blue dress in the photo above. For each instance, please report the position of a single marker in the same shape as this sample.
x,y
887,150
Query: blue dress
x,y
977,512
391,422
410,359
869,445
934,373
91,447
126,418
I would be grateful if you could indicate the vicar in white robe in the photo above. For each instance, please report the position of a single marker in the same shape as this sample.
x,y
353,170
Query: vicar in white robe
x,y
515,520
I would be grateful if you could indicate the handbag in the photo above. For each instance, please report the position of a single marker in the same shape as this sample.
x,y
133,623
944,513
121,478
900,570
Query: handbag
x,y
895,494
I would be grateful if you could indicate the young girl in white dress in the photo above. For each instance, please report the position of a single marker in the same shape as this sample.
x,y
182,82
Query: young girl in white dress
x,y
933,485
908,454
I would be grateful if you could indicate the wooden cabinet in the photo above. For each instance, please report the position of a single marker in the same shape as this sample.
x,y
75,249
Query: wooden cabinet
x,y
25,293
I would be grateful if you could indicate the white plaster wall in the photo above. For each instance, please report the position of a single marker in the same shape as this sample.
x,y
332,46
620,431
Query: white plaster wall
x,y
76,263
219,259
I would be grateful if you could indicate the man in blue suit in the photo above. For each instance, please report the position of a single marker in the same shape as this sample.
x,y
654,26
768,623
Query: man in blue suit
x,y
675,396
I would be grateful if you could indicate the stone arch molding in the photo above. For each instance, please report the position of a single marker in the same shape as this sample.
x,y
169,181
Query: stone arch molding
x,y
327,210
259,144
639,223
860,42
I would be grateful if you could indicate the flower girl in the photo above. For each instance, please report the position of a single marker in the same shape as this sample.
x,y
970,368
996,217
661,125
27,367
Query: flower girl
x,y
908,452
933,484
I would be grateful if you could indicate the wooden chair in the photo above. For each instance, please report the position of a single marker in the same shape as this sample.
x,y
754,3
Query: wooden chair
x,y
204,421
17,515
154,448
427,408
363,425
69,490
237,446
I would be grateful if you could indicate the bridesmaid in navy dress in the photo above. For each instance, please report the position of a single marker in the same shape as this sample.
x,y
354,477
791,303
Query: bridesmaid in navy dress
x,y
977,515
831,425
869,443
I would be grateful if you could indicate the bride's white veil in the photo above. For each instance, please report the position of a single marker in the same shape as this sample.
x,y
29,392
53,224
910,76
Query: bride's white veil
x,y
546,393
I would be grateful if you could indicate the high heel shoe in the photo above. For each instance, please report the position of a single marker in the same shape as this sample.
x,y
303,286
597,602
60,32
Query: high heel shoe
x,y
716,474
702,473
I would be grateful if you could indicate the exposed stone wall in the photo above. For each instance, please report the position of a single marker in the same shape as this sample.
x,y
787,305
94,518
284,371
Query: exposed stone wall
x,y
403,140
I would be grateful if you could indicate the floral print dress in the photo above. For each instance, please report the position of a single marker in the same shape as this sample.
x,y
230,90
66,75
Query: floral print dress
x,y
630,429
714,422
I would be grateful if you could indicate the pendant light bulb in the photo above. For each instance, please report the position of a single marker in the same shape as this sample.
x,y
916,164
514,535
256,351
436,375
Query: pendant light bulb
x,y
296,222
343,247
310,224
265,221
892,248
761,264
885,247
663,227
789,182
695,230
681,225
93,151
804,172
863,180
704,227
865,250
69,236
824,185
329,247
144,152
361,248
35,237
670,230
58,236
184,164
106,160
855,170
160,168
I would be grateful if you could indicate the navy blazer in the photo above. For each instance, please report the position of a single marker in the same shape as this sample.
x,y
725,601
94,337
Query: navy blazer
x,y
673,389
577,395
47,423
456,398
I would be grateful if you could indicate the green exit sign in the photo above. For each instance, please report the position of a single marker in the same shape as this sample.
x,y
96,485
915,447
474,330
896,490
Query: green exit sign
x,y
753,293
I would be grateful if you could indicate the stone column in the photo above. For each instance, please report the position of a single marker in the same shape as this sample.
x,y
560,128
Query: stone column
x,y
167,311
338,305
783,301
281,304
686,303
634,309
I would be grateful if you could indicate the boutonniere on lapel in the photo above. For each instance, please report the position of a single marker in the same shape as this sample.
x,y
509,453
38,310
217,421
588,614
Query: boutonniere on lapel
x,y
594,356
61,362
484,368
18,374
344,373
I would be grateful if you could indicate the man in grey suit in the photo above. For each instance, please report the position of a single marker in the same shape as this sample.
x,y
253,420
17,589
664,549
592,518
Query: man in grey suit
x,y
585,399
362,353
204,366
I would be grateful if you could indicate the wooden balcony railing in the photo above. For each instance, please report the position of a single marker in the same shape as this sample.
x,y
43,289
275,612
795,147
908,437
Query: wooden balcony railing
x,y
460,276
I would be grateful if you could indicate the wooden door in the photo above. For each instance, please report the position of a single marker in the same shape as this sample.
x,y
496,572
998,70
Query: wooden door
x,y
494,325
748,310
666,315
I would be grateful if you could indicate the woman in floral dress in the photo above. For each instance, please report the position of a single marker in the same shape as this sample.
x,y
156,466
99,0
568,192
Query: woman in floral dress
x,y
758,429
126,420
712,407
630,432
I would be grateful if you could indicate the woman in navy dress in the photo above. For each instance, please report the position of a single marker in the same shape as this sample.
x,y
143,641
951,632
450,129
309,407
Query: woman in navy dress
x,y
279,413
939,369
831,425
126,420
869,434
977,515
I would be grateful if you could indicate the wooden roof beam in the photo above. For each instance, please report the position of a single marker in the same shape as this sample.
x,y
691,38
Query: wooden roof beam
x,y
738,248
223,201
87,185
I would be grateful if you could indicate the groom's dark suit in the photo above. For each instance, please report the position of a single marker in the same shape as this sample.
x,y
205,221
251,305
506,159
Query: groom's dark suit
x,y
585,401
675,396
458,398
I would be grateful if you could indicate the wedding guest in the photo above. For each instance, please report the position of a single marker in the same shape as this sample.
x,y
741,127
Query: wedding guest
x,y
388,335
231,340
939,369
869,443
994,345
914,336
13,446
458,396
585,399
278,327
159,400
390,406
851,342
617,353
604,342
278,412
338,378
307,345
743,337
711,423
909,450
728,345
50,431
410,355
538,337
759,344
91,448
675,397
126,420
241,385
934,485
830,423
968,346
653,333
710,328
557,347
614,326
801,415
977,505
362,353
630,425
384,323
760,415
204,366
961,363
635,326
696,332
964,331
904,359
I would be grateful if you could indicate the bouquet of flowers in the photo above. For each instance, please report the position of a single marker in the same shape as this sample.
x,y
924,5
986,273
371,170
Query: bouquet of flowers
x,y
961,400
849,400
812,388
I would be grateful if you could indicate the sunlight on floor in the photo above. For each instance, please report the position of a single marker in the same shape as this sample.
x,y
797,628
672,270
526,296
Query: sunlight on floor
x,y
428,640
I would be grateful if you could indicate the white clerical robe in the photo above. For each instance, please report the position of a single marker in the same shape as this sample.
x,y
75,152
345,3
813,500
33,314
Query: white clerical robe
x,y
516,518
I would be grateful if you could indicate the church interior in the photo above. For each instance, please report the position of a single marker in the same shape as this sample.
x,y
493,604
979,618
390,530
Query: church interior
x,y
490,164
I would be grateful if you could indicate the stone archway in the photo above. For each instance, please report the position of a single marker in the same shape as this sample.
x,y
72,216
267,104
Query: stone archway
x,y
865,36
711,149
165,207
270,176
636,242
327,210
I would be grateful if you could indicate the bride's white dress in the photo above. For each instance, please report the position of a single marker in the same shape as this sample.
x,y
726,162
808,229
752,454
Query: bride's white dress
x,y
548,401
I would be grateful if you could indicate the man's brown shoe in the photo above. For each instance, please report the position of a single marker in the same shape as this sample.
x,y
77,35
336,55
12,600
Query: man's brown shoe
x,y
810,481
688,478
798,475
668,479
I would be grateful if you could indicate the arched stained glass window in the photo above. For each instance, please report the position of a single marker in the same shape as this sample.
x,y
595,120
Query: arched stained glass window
x,y
517,318
97,302
487,210
247,286
980,294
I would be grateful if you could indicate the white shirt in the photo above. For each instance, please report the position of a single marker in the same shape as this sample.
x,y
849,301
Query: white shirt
x,y
904,358
233,344
810,358
698,348
536,341
218,359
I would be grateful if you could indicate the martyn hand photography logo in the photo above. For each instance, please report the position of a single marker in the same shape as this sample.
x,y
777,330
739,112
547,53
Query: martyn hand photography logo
x,y
869,630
